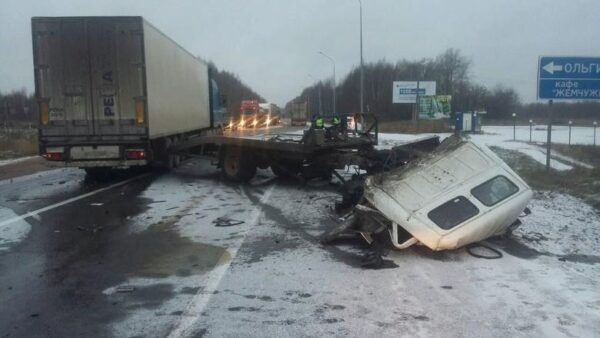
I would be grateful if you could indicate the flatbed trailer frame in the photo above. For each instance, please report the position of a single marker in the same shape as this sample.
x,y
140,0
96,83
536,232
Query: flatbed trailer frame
x,y
314,153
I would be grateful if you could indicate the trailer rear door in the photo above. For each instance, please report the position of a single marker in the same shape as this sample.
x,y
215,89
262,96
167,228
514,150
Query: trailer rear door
x,y
90,74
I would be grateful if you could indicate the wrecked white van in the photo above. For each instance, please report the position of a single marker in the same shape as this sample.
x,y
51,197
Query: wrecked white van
x,y
459,194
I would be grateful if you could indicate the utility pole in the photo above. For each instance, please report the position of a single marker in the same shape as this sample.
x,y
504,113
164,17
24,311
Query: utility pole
x,y
549,136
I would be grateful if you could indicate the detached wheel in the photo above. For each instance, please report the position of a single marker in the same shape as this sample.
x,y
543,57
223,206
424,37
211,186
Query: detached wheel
x,y
238,166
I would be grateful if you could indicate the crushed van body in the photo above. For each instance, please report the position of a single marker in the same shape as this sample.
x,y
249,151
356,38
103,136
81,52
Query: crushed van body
x,y
459,194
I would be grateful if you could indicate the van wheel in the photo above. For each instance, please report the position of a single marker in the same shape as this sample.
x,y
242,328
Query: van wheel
x,y
238,165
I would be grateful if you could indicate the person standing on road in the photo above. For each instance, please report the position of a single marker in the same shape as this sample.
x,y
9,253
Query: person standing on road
x,y
318,122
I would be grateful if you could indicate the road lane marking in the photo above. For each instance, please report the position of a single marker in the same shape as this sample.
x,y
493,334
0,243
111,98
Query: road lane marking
x,y
67,201
200,300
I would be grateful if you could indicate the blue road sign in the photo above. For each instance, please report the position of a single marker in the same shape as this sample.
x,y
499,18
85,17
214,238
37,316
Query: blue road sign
x,y
569,78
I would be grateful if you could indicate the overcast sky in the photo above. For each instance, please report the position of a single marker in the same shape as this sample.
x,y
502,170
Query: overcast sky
x,y
273,44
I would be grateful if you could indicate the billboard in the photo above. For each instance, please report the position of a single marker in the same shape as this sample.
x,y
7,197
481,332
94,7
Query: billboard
x,y
406,91
434,107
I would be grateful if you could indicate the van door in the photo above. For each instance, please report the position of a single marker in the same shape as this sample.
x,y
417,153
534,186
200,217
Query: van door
x,y
62,76
117,76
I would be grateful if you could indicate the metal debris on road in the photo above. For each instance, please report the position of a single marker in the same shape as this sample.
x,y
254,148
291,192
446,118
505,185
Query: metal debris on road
x,y
94,229
226,222
125,288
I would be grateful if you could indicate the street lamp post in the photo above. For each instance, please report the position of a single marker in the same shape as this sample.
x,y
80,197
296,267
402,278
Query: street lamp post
x,y
361,62
333,63
514,126
595,125
530,127
570,124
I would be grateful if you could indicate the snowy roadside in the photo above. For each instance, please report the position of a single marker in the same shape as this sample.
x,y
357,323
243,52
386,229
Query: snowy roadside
x,y
502,136
16,160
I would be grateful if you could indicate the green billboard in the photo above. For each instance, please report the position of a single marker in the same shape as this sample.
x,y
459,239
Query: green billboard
x,y
434,107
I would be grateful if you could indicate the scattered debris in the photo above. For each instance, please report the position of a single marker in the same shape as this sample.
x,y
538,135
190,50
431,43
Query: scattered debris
x,y
474,249
94,229
125,288
226,222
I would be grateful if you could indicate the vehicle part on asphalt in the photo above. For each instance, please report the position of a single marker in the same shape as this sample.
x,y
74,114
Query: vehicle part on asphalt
x,y
496,253
226,222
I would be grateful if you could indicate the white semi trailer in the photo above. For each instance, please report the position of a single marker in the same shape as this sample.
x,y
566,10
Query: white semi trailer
x,y
115,92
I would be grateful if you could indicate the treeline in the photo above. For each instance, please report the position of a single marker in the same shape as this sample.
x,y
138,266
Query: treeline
x,y
232,89
450,70
17,107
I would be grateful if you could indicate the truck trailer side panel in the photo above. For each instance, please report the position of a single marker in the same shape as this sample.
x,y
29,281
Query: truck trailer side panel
x,y
177,85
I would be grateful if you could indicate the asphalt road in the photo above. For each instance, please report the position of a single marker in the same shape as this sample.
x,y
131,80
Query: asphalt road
x,y
188,254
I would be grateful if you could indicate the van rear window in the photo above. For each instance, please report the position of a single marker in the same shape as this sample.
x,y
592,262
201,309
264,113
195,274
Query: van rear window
x,y
453,212
494,190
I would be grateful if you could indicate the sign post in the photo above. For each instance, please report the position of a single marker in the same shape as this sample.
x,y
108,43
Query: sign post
x,y
567,78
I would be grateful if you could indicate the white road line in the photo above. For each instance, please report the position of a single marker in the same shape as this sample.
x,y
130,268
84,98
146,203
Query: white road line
x,y
201,299
67,201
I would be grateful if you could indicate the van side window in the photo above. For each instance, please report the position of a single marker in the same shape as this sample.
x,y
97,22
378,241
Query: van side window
x,y
494,190
453,212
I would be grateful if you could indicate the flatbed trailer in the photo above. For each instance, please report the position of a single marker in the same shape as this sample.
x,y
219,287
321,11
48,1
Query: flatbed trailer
x,y
310,153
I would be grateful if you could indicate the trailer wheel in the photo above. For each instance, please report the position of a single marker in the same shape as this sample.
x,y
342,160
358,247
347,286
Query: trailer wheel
x,y
237,165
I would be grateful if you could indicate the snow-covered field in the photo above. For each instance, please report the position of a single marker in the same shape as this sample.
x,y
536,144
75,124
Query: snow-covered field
x,y
502,136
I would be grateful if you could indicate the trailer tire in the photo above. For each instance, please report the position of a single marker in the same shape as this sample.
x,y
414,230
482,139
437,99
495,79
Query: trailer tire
x,y
238,166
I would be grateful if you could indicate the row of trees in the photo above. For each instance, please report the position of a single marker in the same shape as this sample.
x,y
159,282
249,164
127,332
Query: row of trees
x,y
451,72
17,106
232,89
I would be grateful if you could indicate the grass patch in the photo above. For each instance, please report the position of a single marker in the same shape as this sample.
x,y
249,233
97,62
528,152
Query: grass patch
x,y
579,182
584,153
18,144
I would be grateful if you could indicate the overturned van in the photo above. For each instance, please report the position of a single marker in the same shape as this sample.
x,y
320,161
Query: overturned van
x,y
459,194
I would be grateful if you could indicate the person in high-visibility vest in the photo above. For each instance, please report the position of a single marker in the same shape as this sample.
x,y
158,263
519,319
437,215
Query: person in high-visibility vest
x,y
318,122
336,120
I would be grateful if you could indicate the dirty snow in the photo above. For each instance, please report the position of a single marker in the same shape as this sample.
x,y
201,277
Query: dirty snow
x,y
275,279
16,160
283,283
12,233
561,225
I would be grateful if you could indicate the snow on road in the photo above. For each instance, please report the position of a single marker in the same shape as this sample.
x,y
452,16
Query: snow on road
x,y
269,276
13,233
283,283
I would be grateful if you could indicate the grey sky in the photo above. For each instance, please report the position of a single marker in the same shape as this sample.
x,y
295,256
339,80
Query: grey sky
x,y
272,45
